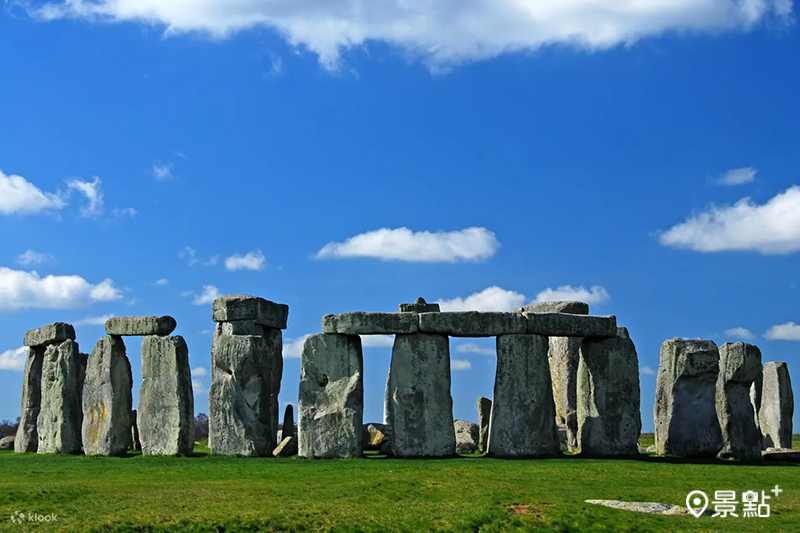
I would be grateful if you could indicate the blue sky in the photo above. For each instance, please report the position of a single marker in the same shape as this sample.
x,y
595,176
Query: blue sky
x,y
157,153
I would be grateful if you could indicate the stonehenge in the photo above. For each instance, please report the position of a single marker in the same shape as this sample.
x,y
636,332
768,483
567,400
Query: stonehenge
x,y
777,406
59,421
484,406
739,365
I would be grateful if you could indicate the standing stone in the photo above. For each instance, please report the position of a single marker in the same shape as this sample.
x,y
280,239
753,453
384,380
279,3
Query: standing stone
x,y
107,399
27,439
165,417
484,406
136,443
685,410
331,401
420,404
240,419
523,413
59,421
739,365
609,419
755,394
387,397
287,430
777,406
82,360
274,338
563,356
467,435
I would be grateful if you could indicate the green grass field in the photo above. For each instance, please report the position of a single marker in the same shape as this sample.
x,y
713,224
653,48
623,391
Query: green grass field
x,y
227,494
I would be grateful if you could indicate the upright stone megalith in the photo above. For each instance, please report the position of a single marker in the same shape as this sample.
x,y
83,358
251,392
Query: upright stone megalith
x,y
59,421
563,359
27,439
777,406
331,401
739,365
523,422
685,410
165,414
609,420
107,399
420,410
484,406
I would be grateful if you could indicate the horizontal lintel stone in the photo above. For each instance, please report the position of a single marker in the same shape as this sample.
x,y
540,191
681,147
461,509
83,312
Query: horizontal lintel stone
x,y
472,323
572,308
246,307
55,333
568,325
361,323
131,326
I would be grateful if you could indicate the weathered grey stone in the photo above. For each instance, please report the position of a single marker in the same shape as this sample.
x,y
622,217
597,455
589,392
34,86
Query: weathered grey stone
x,y
777,406
59,421
27,435
140,325
573,308
242,415
523,413
331,400
609,420
288,426
563,356
644,507
239,327
420,306
739,365
274,339
567,325
359,323
467,435
235,307
420,404
623,332
685,410
484,406
472,323
755,395
7,443
55,333
287,448
107,399
387,397
136,442
781,454
375,435
165,416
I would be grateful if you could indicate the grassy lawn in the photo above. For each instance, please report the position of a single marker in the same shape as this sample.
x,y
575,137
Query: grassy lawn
x,y
226,494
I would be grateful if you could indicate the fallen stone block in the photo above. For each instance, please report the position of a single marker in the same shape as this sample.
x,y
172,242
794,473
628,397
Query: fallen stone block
x,y
331,400
27,439
375,435
420,306
59,421
359,323
566,325
472,323
781,454
236,307
685,411
484,406
573,308
7,443
609,420
739,366
523,422
287,448
50,334
140,325
777,406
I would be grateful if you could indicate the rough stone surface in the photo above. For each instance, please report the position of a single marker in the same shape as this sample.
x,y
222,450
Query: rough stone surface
x,y
136,443
107,399
55,333
165,415
644,507
420,404
331,399
359,323
387,397
472,323
685,410
563,356
777,406
375,435
739,366
467,435
274,339
239,327
7,443
567,325
623,332
484,406
563,439
573,308
420,306
789,456
235,307
287,448
755,395
140,325
523,413
288,427
27,435
609,420
241,410
59,421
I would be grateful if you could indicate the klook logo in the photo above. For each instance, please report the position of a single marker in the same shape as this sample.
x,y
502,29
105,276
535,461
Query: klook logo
x,y
19,517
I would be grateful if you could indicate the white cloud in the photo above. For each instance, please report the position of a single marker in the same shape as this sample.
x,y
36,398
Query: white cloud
x,y
13,359
93,320
471,347
293,348
250,261
161,282
199,372
441,33
198,387
460,364
771,228
32,257
377,341
784,332
18,196
597,295
276,68
738,176
123,212
490,299
739,333
93,193
213,261
209,294
471,244
188,253
646,370
162,171
28,290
